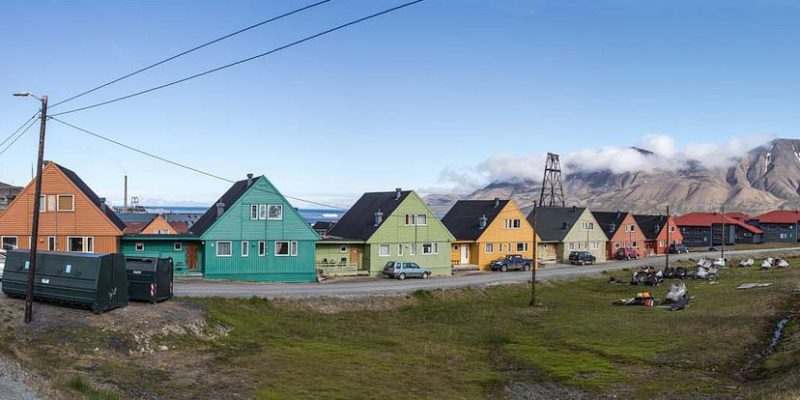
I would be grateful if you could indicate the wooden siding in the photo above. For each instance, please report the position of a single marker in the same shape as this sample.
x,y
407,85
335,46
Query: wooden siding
x,y
331,253
87,220
159,225
159,248
578,238
300,268
502,238
624,238
394,232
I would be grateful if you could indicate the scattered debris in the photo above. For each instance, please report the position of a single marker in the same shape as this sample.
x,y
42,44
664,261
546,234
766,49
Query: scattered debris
x,y
677,298
747,262
770,263
647,276
641,299
753,285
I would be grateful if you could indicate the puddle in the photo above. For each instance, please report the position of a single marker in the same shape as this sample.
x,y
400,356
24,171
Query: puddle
x,y
752,370
776,336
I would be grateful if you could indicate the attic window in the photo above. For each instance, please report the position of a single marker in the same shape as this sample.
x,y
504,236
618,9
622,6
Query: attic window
x,y
254,211
275,212
66,202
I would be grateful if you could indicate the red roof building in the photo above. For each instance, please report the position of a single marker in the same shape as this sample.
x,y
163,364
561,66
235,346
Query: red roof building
x,y
780,225
703,229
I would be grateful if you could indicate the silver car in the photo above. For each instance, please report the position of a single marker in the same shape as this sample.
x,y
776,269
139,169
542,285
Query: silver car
x,y
2,264
402,270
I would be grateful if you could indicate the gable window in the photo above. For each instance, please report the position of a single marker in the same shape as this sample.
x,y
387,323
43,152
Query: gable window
x,y
9,242
588,226
262,248
517,223
427,248
177,246
262,211
51,243
422,219
42,203
254,211
66,202
399,249
245,248
275,212
52,201
224,249
490,247
383,250
506,223
343,248
282,248
139,246
75,244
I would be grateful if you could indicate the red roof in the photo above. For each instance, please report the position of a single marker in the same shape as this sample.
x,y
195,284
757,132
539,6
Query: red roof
x,y
134,228
737,215
780,217
180,227
707,219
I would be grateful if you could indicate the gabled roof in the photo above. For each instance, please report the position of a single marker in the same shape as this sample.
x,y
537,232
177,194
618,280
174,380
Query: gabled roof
x,y
609,221
779,217
738,215
359,221
550,222
180,227
708,219
463,219
323,225
92,196
651,225
188,218
228,199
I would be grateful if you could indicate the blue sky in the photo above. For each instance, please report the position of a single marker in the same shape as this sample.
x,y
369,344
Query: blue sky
x,y
392,102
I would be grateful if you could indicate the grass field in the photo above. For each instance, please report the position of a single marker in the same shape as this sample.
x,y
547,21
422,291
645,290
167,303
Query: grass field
x,y
461,344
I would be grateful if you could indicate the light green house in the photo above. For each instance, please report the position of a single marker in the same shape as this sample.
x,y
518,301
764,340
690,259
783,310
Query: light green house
x,y
388,226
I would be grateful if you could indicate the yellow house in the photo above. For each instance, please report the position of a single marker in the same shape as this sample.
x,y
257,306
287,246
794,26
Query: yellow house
x,y
486,230
159,226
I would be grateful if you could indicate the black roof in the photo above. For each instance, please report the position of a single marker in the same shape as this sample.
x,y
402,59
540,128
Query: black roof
x,y
144,218
188,218
651,225
323,225
609,221
92,196
359,221
463,219
553,223
231,196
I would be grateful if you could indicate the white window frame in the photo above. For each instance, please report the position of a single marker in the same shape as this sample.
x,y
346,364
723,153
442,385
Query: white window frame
x,y
382,247
293,248
58,202
138,246
88,244
245,247
424,217
54,241
262,212
52,203
177,246
429,249
16,241
253,212
489,248
343,248
42,203
230,248
572,245
83,244
262,248
288,248
269,207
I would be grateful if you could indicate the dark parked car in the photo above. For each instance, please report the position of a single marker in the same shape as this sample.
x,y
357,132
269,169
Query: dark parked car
x,y
403,270
581,257
511,262
678,248
627,254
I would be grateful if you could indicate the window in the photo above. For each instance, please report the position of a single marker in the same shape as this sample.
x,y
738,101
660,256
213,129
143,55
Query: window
x,y
672,229
427,248
499,247
51,243
254,211
343,248
594,245
9,242
383,250
522,246
224,249
413,249
75,244
436,248
588,226
262,248
139,246
245,248
490,247
275,212
42,203
571,246
422,219
293,245
66,202
506,223
52,200
282,249
517,223
177,246
262,211
635,244
399,249
90,244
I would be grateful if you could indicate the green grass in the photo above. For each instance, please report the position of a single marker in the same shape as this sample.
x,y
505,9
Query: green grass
x,y
88,391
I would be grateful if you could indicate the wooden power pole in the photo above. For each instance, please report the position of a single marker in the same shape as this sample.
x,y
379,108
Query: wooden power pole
x,y
36,208
535,263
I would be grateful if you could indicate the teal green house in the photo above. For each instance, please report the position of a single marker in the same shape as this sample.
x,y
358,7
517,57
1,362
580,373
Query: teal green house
x,y
383,227
251,233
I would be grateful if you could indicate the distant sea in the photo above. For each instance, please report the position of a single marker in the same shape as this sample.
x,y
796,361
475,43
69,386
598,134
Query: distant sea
x,y
310,215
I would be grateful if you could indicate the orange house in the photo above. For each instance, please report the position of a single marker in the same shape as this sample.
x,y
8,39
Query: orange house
x,y
72,216
623,232
655,230
486,230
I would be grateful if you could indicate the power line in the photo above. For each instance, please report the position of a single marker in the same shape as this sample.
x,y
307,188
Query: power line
x,y
18,129
184,166
206,44
30,123
275,50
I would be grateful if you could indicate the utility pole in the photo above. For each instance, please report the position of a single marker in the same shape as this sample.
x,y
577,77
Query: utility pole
x,y
722,254
36,208
535,262
666,262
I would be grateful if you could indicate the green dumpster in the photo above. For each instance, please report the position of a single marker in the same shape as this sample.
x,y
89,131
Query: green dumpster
x,y
86,280
149,278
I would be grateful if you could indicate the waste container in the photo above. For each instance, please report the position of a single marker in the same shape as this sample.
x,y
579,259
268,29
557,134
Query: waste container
x,y
87,280
149,278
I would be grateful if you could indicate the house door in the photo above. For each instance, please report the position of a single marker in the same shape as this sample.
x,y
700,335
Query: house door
x,y
464,254
355,259
191,256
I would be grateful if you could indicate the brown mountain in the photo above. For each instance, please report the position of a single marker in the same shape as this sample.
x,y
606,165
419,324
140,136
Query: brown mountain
x,y
766,178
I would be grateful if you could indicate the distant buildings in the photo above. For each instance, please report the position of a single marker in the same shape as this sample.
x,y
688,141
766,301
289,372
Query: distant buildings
x,y
702,229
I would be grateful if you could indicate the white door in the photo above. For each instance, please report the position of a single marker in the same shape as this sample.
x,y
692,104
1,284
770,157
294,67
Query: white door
x,y
464,254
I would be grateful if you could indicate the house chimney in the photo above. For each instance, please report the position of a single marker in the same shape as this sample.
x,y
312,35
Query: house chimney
x,y
249,179
619,213
613,227
103,204
220,209
378,217
482,222
574,208
125,196
496,202
658,228
398,193
565,226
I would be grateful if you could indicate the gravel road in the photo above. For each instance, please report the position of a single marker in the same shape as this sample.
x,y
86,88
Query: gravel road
x,y
15,384
377,287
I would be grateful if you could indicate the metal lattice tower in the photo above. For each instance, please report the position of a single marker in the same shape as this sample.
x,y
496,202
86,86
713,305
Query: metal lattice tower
x,y
552,187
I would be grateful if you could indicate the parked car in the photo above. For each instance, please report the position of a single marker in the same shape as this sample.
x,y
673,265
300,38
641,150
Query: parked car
x,y
2,264
627,254
511,262
678,248
402,270
581,257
